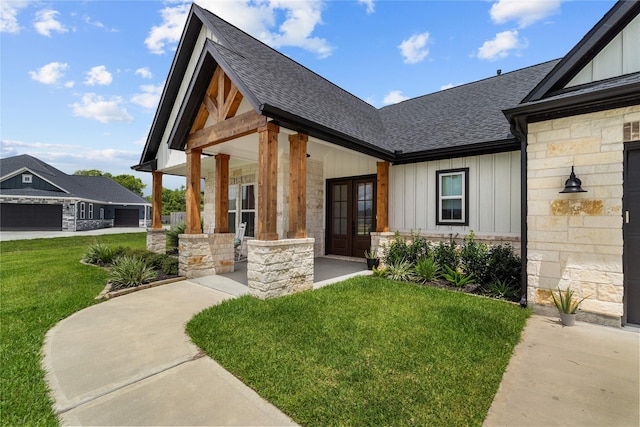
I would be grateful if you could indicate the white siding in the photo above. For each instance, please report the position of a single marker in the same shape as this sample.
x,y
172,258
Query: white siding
x,y
340,163
621,56
494,195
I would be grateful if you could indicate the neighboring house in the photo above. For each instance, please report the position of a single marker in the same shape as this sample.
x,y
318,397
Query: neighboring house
x,y
37,196
314,170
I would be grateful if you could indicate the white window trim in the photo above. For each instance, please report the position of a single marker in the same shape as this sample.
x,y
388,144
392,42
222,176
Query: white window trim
x,y
90,210
82,210
464,172
27,178
254,210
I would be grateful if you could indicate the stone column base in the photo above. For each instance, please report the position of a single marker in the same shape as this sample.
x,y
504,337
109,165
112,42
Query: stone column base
x,y
205,254
279,267
157,240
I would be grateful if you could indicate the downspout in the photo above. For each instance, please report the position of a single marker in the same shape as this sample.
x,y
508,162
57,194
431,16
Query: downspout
x,y
519,129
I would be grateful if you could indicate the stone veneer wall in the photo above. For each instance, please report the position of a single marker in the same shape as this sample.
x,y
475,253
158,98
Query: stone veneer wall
x,y
279,267
205,254
576,239
157,240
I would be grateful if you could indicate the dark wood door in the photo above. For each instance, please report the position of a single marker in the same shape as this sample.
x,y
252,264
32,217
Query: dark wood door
x,y
351,215
631,222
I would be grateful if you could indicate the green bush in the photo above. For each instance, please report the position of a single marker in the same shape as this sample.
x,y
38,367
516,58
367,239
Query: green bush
x,y
501,290
170,265
400,270
473,258
172,236
504,265
401,249
456,278
99,254
446,255
127,272
427,269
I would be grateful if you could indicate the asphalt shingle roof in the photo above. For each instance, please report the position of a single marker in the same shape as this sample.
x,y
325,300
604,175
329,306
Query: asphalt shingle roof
x,y
98,188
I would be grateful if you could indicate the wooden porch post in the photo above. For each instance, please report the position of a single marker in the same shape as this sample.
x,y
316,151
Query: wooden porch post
x,y
267,182
156,222
382,202
298,186
193,192
222,194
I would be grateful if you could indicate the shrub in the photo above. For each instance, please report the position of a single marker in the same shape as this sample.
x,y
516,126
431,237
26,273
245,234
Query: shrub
x,y
170,265
400,270
127,272
456,278
172,236
99,253
504,265
397,250
427,269
473,258
502,290
446,254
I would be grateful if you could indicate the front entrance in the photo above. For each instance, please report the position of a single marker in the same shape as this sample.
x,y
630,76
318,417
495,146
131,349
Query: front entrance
x,y
631,221
351,207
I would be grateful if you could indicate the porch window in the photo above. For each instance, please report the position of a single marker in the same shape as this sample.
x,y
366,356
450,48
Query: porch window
x,y
82,210
233,207
90,210
248,209
451,197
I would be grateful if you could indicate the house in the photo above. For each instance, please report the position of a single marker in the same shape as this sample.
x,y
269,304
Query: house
x,y
37,196
314,170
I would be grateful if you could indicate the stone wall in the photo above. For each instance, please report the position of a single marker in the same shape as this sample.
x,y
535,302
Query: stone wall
x,y
279,267
157,240
93,224
205,254
576,239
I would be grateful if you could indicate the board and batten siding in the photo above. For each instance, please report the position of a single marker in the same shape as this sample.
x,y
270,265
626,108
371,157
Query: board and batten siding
x,y
342,163
494,195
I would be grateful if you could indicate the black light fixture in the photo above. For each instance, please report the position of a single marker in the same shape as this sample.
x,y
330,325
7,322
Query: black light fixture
x,y
573,184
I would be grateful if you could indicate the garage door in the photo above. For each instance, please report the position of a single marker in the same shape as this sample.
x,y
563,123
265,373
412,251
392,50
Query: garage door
x,y
15,216
126,218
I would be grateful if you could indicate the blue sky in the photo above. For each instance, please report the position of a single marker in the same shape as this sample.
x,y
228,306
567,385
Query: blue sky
x,y
80,80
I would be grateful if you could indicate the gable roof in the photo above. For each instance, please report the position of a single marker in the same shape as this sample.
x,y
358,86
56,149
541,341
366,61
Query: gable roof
x,y
299,99
97,188
550,98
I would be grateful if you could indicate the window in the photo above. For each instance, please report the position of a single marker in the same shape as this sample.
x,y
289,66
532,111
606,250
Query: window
x,y
82,210
27,179
248,209
90,210
233,207
451,197
101,213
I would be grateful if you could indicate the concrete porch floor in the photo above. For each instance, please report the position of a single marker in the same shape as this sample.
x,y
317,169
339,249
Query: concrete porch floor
x,y
326,270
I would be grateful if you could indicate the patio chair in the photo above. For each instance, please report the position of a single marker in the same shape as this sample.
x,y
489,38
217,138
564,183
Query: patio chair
x,y
238,242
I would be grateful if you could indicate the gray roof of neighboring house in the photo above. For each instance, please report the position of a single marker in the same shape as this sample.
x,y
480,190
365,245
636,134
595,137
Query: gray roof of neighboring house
x,y
98,188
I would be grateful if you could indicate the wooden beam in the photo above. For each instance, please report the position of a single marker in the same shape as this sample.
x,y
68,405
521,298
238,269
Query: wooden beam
x,y
222,194
382,197
298,186
193,192
210,105
267,182
232,128
156,222
232,102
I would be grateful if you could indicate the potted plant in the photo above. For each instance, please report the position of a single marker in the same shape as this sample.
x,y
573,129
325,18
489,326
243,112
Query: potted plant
x,y
372,259
567,304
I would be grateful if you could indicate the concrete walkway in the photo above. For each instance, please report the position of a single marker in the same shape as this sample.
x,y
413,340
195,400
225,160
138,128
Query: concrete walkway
x,y
585,375
128,361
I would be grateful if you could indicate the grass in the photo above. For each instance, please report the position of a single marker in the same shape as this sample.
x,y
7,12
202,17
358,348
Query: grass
x,y
41,283
367,351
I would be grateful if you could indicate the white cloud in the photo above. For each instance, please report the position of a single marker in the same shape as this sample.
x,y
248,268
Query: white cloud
x,y
501,46
370,5
98,24
96,107
150,96
525,12
98,75
394,97
144,72
256,18
414,49
46,22
9,15
49,74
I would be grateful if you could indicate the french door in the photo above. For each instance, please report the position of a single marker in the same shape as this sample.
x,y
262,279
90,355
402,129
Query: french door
x,y
351,209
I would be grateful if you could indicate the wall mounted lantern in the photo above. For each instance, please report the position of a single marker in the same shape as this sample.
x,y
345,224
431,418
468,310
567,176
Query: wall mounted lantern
x,y
573,184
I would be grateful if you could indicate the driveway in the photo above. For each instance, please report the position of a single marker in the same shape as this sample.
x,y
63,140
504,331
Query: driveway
x,y
29,235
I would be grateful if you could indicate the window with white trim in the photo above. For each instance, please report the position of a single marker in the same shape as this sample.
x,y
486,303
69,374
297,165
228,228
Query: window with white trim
x,y
452,200
90,210
27,179
82,210
248,209
101,213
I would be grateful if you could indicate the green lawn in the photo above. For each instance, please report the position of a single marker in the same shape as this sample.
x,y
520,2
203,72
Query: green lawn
x,y
41,283
367,351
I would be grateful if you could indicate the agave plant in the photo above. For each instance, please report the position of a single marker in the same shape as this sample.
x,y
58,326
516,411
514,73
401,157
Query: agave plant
x,y
128,272
98,254
427,269
566,302
401,270
456,278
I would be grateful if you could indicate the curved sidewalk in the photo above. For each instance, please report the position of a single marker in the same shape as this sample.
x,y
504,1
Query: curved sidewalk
x,y
128,361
